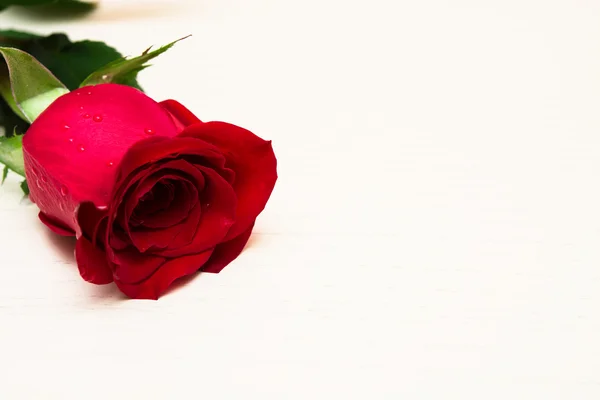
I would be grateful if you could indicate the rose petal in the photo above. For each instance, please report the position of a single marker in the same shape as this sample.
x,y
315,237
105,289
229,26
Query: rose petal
x,y
175,170
77,137
185,198
92,263
158,234
161,198
118,239
89,218
131,266
227,252
152,150
218,215
181,115
55,226
186,195
175,236
160,281
253,161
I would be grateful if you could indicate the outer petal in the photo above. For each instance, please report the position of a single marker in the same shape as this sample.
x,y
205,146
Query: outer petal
x,y
160,281
181,115
227,252
56,226
93,127
92,263
253,161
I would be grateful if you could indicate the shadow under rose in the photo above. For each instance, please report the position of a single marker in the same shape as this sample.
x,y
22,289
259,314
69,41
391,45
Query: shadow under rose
x,y
180,284
65,245
65,248
105,293
255,238
186,280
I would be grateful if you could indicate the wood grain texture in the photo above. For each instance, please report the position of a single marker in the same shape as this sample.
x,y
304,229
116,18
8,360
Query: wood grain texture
x,y
433,235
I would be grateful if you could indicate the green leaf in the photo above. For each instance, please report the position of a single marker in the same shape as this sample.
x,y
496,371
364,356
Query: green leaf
x,y
6,3
70,62
11,153
25,187
9,121
4,174
16,36
26,85
125,70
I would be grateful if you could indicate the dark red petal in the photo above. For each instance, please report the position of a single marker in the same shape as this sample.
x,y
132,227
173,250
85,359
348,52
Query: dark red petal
x,y
55,226
152,150
131,266
176,170
253,161
145,234
173,237
218,215
92,262
118,240
181,115
161,199
89,218
186,195
227,252
160,281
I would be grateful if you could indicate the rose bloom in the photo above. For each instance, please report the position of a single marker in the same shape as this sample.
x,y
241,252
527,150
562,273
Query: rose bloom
x,y
152,193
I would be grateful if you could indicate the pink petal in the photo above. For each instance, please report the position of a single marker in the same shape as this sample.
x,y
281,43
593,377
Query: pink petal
x,y
103,125
56,226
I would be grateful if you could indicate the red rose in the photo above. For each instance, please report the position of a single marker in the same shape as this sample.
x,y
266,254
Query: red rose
x,y
151,192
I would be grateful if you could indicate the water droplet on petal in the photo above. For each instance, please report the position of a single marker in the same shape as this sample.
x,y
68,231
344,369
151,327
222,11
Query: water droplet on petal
x,y
71,140
38,184
62,207
81,108
44,179
67,127
89,93
86,115
110,164
149,131
63,190
97,118
81,149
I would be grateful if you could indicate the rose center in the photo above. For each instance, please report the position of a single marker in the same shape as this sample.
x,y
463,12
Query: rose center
x,y
166,203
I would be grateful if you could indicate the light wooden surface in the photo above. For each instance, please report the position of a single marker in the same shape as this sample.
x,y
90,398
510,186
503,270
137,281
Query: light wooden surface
x,y
433,235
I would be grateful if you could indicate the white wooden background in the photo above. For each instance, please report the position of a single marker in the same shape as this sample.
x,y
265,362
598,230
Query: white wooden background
x,y
433,235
